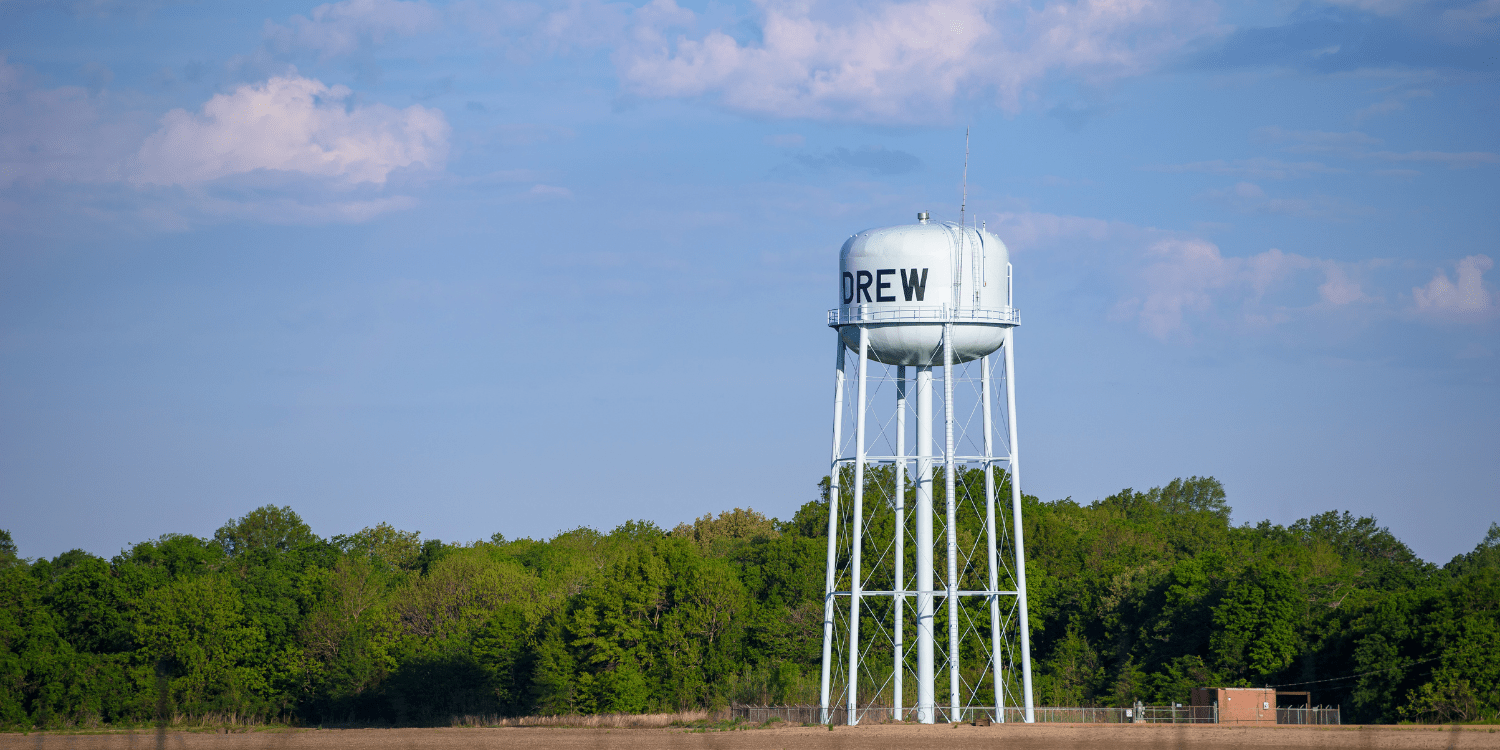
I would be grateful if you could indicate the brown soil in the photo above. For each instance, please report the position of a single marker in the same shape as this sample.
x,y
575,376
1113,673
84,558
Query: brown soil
x,y
895,737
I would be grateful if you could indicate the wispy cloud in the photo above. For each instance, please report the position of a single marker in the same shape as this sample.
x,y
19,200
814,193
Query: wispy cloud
x,y
883,61
1466,299
872,159
1252,198
1480,18
1316,141
550,191
68,133
1259,168
902,62
1357,145
1391,104
1325,38
1182,288
524,29
1450,159
341,28
1185,277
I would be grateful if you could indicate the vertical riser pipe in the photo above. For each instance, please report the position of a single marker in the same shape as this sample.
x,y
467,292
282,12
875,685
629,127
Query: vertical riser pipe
x,y
926,687
899,666
950,485
857,534
992,557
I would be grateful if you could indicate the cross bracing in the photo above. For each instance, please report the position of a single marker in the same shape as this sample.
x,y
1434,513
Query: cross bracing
x,y
898,494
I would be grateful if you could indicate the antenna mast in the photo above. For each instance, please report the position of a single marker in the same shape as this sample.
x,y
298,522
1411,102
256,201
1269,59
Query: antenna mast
x,y
965,203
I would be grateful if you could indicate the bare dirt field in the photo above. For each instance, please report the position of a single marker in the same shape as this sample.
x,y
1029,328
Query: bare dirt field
x,y
902,737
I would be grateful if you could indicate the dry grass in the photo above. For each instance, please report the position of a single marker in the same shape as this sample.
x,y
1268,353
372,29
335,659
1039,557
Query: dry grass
x,y
595,721
214,720
226,719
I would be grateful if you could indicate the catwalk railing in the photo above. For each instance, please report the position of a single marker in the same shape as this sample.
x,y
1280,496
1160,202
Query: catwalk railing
x,y
862,314
1044,715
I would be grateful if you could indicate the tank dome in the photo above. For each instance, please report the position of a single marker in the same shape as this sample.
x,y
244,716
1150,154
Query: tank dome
x,y
905,282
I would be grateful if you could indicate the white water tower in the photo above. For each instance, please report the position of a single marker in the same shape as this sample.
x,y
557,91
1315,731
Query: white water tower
x,y
915,298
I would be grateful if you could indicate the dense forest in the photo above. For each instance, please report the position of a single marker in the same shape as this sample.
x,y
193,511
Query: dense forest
x,y
1141,595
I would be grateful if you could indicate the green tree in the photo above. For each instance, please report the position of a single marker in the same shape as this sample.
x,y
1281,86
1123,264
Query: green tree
x,y
265,528
9,555
504,647
194,631
1256,623
1464,629
1074,674
385,543
93,607
1141,595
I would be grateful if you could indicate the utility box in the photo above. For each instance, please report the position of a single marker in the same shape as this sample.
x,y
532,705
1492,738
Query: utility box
x,y
1237,705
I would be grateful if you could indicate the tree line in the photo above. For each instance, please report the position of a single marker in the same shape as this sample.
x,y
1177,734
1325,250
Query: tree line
x,y
1138,596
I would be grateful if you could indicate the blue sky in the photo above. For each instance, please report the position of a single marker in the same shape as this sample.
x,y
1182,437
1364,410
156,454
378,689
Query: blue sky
x,y
522,266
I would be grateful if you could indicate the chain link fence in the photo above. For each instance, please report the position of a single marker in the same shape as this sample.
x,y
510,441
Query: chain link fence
x,y
1140,714
1319,715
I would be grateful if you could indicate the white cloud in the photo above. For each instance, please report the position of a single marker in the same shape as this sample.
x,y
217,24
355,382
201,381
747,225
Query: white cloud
x,y
1450,159
1391,104
1339,289
1251,198
341,28
902,62
1258,167
1179,287
524,27
199,208
1382,7
1356,145
66,134
1465,299
879,61
1476,19
1456,19
289,149
1023,231
1185,277
529,134
295,125
550,191
1317,141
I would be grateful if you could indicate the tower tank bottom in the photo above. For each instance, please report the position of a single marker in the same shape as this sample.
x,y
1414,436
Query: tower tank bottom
x,y
922,343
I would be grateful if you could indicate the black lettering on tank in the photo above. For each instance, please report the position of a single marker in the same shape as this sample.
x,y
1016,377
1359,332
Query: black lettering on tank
x,y
911,284
865,280
846,287
881,283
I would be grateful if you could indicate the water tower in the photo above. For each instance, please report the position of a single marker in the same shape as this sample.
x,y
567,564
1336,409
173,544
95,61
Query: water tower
x,y
915,299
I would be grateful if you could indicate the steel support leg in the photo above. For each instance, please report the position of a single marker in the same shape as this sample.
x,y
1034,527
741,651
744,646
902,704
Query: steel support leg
x,y
833,525
1024,626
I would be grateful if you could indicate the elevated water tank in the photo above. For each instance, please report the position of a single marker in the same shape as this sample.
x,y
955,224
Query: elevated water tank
x,y
906,282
